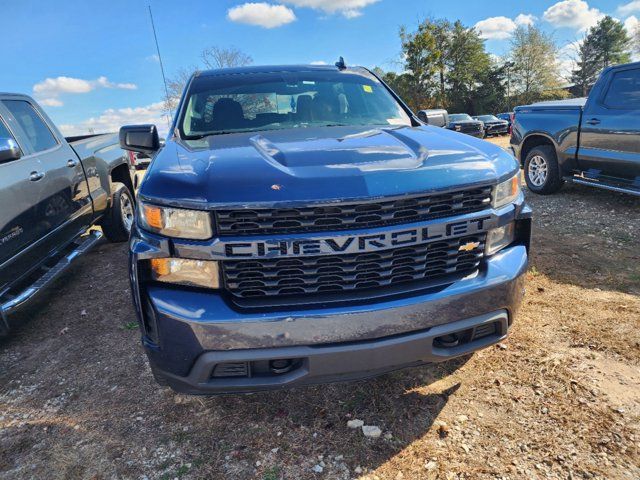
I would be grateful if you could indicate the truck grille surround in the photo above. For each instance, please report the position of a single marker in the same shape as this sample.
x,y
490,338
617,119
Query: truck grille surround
x,y
352,272
470,128
350,216
409,268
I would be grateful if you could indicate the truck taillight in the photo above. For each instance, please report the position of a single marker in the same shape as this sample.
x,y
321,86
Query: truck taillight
x,y
132,158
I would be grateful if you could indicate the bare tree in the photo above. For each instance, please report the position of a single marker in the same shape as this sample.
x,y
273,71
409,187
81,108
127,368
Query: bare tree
x,y
212,57
217,57
175,86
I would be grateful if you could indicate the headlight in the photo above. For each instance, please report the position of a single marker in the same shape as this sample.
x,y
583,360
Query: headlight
x,y
193,273
498,238
176,222
457,127
507,192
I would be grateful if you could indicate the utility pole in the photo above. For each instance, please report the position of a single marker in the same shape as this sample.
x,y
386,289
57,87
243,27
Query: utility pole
x,y
164,78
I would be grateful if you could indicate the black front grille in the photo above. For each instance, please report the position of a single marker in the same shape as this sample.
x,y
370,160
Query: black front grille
x,y
471,128
352,272
343,216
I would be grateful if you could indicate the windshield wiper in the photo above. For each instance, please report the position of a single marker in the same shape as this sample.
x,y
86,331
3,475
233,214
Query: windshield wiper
x,y
200,136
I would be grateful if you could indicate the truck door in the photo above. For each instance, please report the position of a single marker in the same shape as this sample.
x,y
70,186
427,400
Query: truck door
x,y
20,195
65,207
610,129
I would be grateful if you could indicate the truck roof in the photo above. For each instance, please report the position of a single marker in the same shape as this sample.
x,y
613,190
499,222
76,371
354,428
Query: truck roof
x,y
273,69
9,94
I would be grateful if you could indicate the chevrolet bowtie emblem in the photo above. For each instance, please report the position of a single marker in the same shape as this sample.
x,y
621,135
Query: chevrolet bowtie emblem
x,y
467,247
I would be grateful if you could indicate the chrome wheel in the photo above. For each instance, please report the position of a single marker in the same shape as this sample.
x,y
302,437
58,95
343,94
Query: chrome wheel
x,y
127,211
538,170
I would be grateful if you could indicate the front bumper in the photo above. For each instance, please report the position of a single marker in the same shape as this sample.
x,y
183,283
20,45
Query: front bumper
x,y
497,130
336,362
193,331
474,133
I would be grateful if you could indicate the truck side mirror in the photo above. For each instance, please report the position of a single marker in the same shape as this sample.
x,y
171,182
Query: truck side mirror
x,y
140,138
9,150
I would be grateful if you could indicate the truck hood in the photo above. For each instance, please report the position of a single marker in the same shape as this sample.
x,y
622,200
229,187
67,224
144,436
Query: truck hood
x,y
320,164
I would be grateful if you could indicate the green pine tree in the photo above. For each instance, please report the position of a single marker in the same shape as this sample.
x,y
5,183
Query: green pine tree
x,y
588,66
611,42
606,43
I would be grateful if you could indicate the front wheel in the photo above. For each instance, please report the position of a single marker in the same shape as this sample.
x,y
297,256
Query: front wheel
x,y
541,170
118,220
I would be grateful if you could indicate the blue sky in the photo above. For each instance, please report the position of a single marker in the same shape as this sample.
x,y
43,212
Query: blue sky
x,y
93,63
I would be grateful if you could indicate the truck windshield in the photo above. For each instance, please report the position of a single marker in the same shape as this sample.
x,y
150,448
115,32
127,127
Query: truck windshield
x,y
460,117
218,104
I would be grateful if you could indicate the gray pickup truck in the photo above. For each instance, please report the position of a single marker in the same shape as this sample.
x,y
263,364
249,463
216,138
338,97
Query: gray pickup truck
x,y
593,141
52,190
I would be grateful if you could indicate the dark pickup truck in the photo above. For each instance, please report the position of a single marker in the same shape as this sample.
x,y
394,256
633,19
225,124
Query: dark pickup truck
x,y
464,123
493,125
593,141
301,225
52,190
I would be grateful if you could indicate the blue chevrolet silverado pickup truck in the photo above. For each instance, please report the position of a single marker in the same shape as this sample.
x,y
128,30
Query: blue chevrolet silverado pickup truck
x,y
591,141
301,225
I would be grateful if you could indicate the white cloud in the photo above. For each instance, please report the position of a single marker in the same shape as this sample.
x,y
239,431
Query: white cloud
x,y
51,102
525,19
261,14
105,83
572,14
318,62
567,56
112,119
348,8
496,28
49,90
632,24
56,86
628,8
153,58
500,28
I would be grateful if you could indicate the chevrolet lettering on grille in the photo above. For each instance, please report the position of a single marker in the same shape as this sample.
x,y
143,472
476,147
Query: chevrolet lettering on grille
x,y
343,244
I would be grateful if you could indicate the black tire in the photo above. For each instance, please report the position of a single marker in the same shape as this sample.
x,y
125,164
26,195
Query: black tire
x,y
114,225
538,158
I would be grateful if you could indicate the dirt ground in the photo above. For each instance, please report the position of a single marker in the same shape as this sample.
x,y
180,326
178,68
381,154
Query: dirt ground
x,y
559,399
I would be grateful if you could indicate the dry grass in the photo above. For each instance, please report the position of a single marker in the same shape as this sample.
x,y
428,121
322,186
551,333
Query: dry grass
x,y
559,400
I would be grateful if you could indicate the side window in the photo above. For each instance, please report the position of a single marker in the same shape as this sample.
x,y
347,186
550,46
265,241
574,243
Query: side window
x,y
4,131
624,90
38,134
